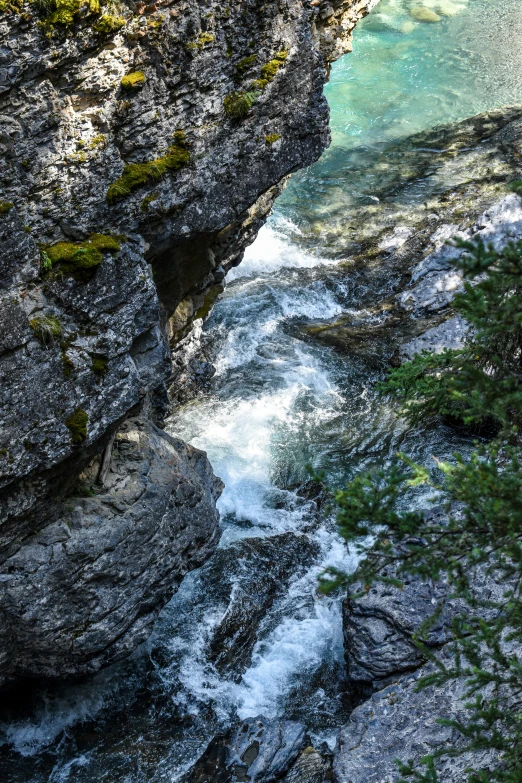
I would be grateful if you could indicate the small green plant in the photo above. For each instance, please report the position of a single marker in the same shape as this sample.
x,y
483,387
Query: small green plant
x,y
271,138
238,104
5,207
269,70
137,174
516,186
10,6
200,42
67,364
133,80
147,201
63,12
46,328
76,423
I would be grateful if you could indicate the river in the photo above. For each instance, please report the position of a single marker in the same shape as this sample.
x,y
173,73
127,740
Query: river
x,y
280,401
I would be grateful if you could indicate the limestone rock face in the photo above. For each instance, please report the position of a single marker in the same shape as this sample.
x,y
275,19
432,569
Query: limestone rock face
x,y
85,590
141,151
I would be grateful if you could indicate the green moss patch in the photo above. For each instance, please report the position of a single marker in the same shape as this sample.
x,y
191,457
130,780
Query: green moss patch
x,y
269,70
10,7
238,104
108,24
137,174
271,138
100,364
133,81
77,425
5,206
46,328
80,256
64,12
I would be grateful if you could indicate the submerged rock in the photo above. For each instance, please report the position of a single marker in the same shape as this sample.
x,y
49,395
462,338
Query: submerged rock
x,y
251,575
401,246
423,14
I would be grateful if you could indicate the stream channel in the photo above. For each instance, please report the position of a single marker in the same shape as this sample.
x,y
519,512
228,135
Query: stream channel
x,y
247,634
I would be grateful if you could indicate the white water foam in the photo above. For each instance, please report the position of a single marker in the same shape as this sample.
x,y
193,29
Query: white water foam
x,y
299,645
295,647
72,706
240,436
272,251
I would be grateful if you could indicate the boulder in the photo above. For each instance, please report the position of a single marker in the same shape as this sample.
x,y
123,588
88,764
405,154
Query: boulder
x,y
84,590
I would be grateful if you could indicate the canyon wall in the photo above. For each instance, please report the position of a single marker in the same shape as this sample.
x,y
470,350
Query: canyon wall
x,y
141,151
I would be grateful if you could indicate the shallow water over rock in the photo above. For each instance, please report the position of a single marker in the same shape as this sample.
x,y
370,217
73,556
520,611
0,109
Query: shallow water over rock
x,y
247,635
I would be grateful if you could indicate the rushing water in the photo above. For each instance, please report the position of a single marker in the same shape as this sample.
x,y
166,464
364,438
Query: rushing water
x,y
277,403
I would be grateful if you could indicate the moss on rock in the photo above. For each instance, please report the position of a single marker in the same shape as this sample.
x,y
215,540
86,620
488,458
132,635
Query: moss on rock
x,y
108,24
200,42
76,423
100,364
271,138
63,12
80,256
46,328
5,206
135,175
133,81
238,104
244,65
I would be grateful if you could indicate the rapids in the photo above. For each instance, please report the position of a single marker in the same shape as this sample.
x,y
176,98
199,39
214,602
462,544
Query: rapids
x,y
277,403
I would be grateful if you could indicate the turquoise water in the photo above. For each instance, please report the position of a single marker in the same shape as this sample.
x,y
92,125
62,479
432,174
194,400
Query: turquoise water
x,y
277,402
398,83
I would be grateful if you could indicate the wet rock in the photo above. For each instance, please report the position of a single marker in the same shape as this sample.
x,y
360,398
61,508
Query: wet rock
x,y
379,626
378,629
257,750
273,561
84,591
311,766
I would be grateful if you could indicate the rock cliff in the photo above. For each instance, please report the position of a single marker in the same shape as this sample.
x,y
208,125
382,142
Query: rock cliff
x,y
141,150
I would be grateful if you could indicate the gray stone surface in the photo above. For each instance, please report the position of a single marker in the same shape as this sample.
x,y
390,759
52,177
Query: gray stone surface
x,y
449,334
85,590
400,722
378,629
